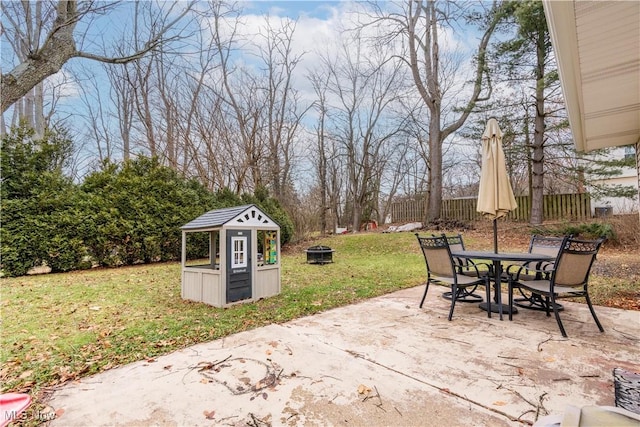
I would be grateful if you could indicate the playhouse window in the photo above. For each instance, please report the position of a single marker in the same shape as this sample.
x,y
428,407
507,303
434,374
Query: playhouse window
x,y
203,250
238,252
267,247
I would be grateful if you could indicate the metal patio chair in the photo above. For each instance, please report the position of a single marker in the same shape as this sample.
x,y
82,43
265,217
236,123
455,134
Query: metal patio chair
x,y
464,265
467,267
545,245
442,270
568,279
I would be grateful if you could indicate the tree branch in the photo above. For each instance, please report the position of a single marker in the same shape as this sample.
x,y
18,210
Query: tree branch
x,y
60,46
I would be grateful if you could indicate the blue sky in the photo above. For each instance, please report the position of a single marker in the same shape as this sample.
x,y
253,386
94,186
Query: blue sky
x,y
317,25
293,8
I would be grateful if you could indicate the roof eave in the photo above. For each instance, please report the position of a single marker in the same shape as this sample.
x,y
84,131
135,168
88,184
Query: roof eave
x,y
561,21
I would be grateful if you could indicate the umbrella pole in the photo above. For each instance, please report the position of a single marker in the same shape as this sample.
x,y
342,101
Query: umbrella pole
x,y
495,236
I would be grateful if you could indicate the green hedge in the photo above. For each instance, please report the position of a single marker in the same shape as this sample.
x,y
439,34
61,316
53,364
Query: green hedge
x,y
124,214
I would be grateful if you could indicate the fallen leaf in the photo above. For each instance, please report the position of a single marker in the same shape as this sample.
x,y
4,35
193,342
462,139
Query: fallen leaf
x,y
264,396
25,374
268,352
209,414
499,403
363,389
168,367
151,360
59,412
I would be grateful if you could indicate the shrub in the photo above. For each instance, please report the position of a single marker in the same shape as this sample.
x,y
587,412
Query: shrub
x,y
627,229
39,224
587,230
139,208
123,214
592,230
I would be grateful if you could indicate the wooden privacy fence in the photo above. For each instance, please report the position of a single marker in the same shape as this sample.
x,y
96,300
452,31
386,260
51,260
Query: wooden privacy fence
x,y
574,207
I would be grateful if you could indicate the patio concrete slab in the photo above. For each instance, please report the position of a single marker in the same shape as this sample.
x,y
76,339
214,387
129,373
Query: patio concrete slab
x,y
380,362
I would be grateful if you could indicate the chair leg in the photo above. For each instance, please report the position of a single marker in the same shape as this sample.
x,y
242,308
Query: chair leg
x,y
454,297
546,301
593,312
499,299
425,293
556,312
488,294
510,298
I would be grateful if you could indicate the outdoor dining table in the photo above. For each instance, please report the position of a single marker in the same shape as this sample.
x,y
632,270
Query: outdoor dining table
x,y
497,259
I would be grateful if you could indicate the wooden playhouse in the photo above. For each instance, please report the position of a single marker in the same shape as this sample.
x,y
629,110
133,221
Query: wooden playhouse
x,y
244,257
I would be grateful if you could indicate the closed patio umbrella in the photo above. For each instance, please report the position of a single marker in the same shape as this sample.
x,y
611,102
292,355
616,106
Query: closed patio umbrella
x,y
495,195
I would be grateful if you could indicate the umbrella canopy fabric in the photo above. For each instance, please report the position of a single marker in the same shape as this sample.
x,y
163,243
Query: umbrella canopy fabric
x,y
495,195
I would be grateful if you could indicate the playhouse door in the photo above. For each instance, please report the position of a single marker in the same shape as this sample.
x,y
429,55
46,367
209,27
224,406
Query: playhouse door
x,y
238,265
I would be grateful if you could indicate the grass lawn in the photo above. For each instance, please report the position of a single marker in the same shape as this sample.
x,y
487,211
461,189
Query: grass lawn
x,y
59,327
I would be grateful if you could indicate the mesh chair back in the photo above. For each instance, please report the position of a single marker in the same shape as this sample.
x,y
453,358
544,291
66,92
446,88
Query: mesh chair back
x,y
455,242
574,262
545,245
437,255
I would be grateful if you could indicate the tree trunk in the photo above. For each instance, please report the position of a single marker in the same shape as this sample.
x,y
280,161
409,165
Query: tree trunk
x,y
435,170
537,195
322,175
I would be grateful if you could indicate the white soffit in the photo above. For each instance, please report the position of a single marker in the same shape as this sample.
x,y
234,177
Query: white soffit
x,y
597,47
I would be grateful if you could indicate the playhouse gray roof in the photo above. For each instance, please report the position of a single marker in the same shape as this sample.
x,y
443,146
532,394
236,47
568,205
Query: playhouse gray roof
x,y
218,217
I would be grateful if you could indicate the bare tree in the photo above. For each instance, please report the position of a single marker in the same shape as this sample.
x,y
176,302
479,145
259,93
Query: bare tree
x,y
364,85
391,173
320,83
57,41
420,23
97,119
283,114
122,96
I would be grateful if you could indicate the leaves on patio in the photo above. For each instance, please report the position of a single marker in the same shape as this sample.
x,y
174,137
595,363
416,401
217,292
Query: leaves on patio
x,y
363,389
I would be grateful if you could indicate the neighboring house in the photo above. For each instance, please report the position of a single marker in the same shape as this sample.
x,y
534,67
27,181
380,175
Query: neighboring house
x,y
628,177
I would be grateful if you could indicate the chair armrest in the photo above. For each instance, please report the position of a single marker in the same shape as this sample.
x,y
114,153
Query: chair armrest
x,y
486,264
540,269
466,264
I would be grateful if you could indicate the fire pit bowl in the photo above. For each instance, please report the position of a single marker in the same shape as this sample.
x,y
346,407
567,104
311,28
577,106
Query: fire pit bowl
x,y
319,255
